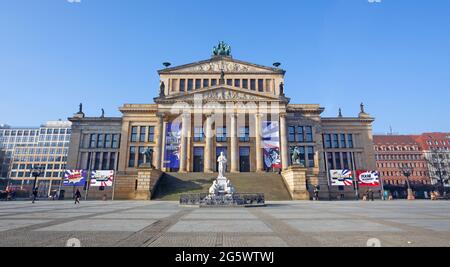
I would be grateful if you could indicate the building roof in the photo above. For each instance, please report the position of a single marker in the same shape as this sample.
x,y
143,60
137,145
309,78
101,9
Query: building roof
x,y
394,140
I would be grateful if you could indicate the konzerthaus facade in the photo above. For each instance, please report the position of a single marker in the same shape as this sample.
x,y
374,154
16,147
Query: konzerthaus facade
x,y
224,105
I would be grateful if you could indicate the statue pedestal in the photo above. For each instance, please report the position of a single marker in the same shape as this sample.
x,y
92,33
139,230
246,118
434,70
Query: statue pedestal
x,y
147,178
296,182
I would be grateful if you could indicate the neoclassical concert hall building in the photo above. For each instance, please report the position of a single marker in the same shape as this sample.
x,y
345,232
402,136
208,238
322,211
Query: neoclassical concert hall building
x,y
222,104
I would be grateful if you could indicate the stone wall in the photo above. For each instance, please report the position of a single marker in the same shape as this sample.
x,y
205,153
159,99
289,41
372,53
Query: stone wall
x,y
295,178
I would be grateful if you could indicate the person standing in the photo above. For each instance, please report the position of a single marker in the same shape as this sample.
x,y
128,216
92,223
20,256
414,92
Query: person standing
x,y
35,194
77,197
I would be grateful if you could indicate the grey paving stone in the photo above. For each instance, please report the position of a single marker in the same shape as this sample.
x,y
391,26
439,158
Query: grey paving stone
x,y
339,226
100,226
6,225
435,225
133,216
225,226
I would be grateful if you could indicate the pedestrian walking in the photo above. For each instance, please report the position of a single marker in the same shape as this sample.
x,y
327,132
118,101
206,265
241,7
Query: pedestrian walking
x,y
77,197
35,194
371,195
316,194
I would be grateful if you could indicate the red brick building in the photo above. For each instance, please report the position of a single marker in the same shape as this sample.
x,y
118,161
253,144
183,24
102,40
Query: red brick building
x,y
393,152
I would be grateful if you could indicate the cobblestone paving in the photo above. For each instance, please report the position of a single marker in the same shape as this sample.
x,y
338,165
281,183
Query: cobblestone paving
x,y
280,224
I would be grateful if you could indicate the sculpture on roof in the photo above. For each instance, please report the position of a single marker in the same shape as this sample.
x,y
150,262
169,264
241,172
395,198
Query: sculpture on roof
x,y
222,49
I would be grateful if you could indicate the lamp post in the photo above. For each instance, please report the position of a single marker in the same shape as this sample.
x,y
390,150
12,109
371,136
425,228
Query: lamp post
x,y
407,172
37,171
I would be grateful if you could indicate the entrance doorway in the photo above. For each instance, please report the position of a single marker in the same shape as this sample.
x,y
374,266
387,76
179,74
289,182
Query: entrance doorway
x,y
244,159
198,159
218,151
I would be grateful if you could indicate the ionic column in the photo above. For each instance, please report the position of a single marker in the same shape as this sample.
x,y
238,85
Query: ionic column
x,y
208,144
259,151
284,142
184,135
234,145
159,145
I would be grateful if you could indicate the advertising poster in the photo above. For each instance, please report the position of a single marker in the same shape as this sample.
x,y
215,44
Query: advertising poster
x,y
102,178
341,178
172,146
75,178
271,144
368,178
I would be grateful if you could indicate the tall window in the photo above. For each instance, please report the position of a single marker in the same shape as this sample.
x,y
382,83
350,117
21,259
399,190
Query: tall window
x,y
198,84
93,141
107,141
311,156
244,134
132,160
345,159
105,161
245,83
134,133
261,85
213,82
182,85
100,141
299,134
327,140
291,130
115,140
97,161
337,157
112,161
343,141
199,135
252,84
309,134
230,82
205,83
335,141
141,156
237,83
190,85
221,134
142,134
151,134
350,141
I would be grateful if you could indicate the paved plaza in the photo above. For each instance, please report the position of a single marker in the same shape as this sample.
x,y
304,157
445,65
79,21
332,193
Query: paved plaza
x,y
280,224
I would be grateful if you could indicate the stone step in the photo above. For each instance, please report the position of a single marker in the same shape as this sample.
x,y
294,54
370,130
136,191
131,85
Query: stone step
x,y
172,185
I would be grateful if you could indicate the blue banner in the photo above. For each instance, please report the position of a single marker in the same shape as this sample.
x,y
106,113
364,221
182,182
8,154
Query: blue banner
x,y
172,146
75,178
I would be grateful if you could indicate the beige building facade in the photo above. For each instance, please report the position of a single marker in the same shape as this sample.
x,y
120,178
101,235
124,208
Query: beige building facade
x,y
240,109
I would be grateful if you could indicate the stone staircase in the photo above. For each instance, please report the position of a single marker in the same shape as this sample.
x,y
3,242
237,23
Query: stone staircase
x,y
172,185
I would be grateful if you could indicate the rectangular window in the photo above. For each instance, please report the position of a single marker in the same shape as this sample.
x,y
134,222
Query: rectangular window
x,y
311,156
97,161
199,135
221,134
230,82
350,140
345,159
100,141
291,130
309,134
252,84
142,133
302,156
151,134
182,85
244,134
92,141
115,140
112,161
245,83
205,83
134,134
330,161
105,161
343,141
327,140
337,157
300,134
237,83
141,156
213,82
190,85
260,85
198,84
107,141
335,141
132,160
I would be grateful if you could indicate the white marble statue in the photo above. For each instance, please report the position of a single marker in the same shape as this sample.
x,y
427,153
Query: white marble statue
x,y
222,160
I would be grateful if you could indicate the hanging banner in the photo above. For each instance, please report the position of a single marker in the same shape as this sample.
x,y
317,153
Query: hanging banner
x,y
271,144
341,178
368,178
75,178
172,146
102,178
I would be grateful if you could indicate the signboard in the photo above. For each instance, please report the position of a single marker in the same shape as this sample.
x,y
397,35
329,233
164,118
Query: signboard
x,y
75,178
368,178
102,178
271,144
172,146
341,178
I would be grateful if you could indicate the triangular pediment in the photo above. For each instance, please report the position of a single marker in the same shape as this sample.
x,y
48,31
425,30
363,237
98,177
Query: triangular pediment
x,y
219,64
222,93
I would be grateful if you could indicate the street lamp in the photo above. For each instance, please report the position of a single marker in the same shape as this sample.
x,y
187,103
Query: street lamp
x,y
37,171
407,172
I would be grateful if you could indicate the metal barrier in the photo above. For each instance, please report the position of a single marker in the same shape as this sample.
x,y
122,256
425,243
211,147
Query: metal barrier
x,y
236,200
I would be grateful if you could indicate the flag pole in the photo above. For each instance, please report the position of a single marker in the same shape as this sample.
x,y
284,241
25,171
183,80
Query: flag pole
x,y
355,178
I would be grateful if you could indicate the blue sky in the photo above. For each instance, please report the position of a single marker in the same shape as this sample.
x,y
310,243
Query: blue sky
x,y
394,56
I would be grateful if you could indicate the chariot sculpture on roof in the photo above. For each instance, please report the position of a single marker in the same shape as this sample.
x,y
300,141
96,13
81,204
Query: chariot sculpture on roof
x,y
222,49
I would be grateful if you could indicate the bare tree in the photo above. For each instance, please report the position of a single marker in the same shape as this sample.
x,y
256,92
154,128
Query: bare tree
x,y
439,168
